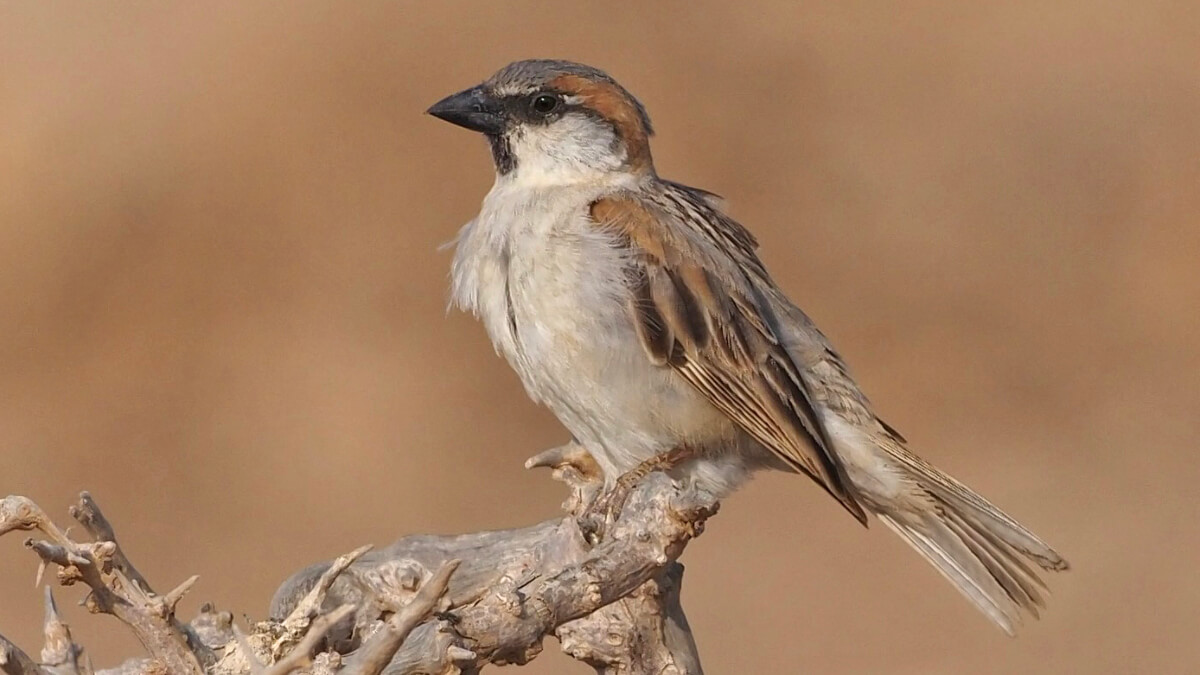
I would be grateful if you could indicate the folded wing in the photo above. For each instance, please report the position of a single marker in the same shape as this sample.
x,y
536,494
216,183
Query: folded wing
x,y
696,312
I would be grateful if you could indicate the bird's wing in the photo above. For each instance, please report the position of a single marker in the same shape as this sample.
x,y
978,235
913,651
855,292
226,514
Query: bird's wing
x,y
698,307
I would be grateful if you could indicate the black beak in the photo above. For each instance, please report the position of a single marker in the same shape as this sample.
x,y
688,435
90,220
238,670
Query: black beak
x,y
472,109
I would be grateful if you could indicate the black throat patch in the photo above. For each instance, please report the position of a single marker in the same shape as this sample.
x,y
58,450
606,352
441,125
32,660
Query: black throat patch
x,y
502,154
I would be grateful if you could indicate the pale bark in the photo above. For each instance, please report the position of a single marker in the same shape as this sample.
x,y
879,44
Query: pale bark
x,y
425,604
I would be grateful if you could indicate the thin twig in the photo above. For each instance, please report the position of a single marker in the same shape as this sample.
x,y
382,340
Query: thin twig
x,y
310,605
88,513
301,654
113,591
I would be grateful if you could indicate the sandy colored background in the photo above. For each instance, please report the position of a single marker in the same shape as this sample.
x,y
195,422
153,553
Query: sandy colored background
x,y
222,307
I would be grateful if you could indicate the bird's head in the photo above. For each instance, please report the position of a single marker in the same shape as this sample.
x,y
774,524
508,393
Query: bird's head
x,y
555,121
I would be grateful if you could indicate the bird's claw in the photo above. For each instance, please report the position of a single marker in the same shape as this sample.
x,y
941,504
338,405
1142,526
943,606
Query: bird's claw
x,y
606,508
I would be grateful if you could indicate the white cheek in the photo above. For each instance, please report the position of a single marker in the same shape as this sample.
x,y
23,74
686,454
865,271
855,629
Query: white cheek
x,y
571,149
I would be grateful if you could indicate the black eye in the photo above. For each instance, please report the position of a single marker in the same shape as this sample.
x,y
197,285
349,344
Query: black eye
x,y
544,104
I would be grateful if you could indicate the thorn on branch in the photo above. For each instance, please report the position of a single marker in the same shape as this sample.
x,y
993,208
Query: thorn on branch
x,y
60,651
170,601
114,586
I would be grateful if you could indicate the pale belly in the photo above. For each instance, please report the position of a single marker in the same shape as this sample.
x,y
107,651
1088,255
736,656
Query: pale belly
x,y
576,352
622,408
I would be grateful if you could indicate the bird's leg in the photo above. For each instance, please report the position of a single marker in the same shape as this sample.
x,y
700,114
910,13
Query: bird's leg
x,y
606,507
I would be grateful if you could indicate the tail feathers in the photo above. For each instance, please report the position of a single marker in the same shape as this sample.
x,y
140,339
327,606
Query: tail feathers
x,y
979,548
1020,582
997,526
961,567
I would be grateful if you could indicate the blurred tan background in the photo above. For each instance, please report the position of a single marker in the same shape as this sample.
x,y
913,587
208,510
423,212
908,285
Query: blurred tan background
x,y
222,304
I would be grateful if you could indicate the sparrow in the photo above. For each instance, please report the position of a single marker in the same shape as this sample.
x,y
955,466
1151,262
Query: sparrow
x,y
640,314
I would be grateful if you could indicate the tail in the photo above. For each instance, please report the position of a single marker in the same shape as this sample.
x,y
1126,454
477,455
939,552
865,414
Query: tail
x,y
978,547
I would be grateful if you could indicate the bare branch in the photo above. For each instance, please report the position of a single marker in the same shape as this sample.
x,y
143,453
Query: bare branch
x,y
301,655
377,653
296,625
20,513
89,515
247,651
113,591
516,586
13,661
60,654
660,520
171,600
614,606
212,627
310,606
644,632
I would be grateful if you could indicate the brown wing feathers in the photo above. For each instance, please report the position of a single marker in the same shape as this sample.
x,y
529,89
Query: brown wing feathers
x,y
713,333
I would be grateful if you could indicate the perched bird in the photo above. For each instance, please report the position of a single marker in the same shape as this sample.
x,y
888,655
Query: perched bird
x,y
641,315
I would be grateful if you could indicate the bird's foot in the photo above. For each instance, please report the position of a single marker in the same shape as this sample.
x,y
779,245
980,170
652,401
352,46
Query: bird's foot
x,y
606,508
575,466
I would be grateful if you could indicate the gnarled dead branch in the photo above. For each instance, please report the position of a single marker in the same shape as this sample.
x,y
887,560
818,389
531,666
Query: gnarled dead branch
x,y
425,604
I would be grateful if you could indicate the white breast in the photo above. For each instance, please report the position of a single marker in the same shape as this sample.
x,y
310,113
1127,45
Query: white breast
x,y
551,289
537,274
